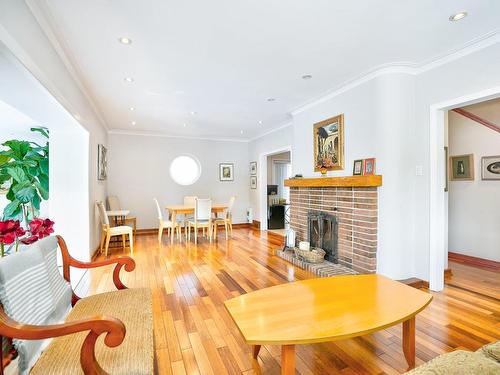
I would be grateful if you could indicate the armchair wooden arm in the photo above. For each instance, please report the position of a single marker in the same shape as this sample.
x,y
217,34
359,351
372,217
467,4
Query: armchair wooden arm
x,y
69,261
114,329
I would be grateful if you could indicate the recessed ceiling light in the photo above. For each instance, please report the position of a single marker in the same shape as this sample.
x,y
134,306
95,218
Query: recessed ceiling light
x,y
132,108
458,16
184,125
260,122
241,131
133,123
307,76
270,99
129,79
125,40
194,113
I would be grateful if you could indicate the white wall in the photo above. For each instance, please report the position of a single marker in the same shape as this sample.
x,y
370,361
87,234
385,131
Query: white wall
x,y
474,206
139,171
282,156
277,141
25,39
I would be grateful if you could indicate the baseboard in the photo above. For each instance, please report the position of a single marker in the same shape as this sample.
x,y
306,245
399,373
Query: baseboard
x,y
415,283
448,273
474,261
149,231
256,224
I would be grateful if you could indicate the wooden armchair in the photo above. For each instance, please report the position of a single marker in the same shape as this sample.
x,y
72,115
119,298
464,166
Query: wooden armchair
x,y
101,323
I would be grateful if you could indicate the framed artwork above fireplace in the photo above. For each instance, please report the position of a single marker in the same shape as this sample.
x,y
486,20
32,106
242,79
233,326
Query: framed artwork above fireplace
x,y
328,145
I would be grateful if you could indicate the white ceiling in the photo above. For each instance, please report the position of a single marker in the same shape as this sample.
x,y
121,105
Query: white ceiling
x,y
224,58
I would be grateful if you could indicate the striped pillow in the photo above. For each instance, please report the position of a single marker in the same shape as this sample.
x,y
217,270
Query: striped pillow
x,y
26,296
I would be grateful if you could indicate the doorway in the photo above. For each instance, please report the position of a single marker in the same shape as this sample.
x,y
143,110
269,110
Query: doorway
x,y
438,223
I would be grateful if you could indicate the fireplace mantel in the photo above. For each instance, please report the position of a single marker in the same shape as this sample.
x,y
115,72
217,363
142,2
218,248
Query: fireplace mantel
x,y
347,181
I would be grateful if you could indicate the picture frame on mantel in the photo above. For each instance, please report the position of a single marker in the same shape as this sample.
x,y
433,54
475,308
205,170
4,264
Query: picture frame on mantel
x,y
357,169
369,166
328,136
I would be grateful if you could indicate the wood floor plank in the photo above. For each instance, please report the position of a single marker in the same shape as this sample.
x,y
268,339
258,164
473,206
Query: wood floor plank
x,y
195,335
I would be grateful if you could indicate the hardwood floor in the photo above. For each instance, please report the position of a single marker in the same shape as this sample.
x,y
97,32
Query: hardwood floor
x,y
195,335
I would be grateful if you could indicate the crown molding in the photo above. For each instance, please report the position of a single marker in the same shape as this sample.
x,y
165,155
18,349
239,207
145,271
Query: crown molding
x,y
164,135
45,19
273,130
468,48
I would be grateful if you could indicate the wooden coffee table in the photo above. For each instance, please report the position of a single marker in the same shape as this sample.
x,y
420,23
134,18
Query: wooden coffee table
x,y
326,309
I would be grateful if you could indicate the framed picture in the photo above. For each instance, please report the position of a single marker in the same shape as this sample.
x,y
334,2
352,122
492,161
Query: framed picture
x,y
357,169
446,168
328,146
102,162
253,182
368,166
462,167
226,172
253,168
490,167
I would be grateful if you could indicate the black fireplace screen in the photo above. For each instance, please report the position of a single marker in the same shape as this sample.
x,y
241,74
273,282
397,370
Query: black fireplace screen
x,y
322,232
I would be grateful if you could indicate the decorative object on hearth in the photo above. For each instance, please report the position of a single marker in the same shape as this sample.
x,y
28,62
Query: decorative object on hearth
x,y
102,162
368,167
253,168
490,167
314,255
226,172
462,167
357,169
290,238
304,245
328,146
323,171
253,182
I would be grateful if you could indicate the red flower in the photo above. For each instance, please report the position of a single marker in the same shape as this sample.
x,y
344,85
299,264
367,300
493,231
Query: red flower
x,y
41,227
29,240
9,230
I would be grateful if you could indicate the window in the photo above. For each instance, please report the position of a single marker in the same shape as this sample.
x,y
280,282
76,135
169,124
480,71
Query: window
x,y
185,170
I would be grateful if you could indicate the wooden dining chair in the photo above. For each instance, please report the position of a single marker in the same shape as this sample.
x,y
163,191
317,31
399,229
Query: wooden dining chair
x,y
202,219
108,231
169,225
114,205
226,219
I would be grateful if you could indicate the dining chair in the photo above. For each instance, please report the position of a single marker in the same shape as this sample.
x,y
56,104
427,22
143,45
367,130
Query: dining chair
x,y
189,200
114,205
226,219
108,231
202,218
169,225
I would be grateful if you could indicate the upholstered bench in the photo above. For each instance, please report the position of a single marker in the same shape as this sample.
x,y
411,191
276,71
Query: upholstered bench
x,y
105,333
485,361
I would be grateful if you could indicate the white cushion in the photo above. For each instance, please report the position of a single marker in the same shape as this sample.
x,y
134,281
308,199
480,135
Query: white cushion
x,y
122,229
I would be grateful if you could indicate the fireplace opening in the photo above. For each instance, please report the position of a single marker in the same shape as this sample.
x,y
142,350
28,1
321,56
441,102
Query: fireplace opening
x,y
322,232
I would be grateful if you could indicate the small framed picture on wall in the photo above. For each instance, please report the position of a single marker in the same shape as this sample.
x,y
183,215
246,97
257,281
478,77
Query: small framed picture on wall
x,y
226,172
368,167
253,168
490,167
253,182
462,167
357,169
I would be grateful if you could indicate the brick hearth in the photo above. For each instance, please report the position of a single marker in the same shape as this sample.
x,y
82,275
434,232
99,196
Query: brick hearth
x,y
356,209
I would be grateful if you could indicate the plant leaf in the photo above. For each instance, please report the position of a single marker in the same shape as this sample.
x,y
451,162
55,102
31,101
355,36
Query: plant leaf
x,y
17,174
44,165
19,148
36,201
44,181
42,130
44,193
26,194
12,209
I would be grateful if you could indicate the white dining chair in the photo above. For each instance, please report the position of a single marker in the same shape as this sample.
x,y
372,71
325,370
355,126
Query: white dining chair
x,y
169,225
226,219
189,200
108,231
114,205
202,219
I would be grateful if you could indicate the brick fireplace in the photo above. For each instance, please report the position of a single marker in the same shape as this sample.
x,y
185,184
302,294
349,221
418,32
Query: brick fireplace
x,y
356,210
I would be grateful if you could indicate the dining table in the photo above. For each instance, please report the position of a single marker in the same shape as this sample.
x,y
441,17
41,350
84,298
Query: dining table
x,y
182,209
